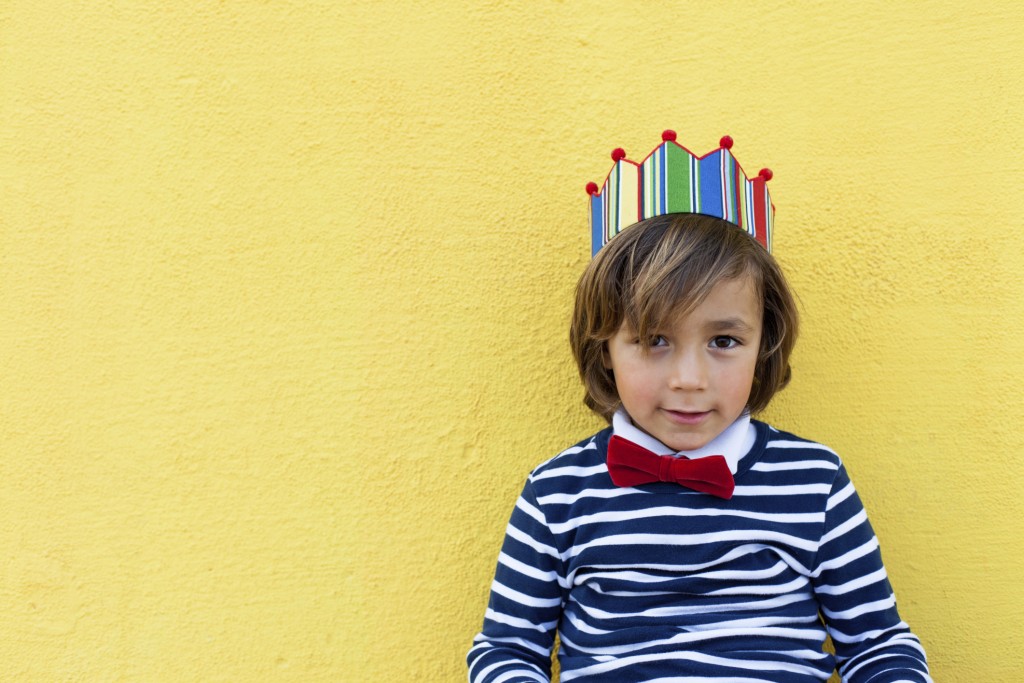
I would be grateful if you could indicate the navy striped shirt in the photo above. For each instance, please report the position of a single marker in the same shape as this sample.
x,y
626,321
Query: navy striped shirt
x,y
659,583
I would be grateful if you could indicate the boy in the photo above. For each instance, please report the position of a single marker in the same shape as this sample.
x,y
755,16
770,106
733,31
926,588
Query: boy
x,y
688,542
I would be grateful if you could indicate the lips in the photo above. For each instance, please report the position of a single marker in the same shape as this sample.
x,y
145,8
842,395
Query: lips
x,y
686,417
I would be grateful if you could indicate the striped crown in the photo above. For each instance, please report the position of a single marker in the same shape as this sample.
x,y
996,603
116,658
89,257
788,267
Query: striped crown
x,y
672,180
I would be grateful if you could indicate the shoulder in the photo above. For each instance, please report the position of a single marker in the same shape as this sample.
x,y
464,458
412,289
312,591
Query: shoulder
x,y
576,466
784,449
802,470
589,452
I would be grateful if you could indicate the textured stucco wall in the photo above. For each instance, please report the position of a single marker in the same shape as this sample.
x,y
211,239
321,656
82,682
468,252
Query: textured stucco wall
x,y
284,290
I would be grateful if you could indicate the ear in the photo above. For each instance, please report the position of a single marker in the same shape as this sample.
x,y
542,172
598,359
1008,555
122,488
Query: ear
x,y
606,359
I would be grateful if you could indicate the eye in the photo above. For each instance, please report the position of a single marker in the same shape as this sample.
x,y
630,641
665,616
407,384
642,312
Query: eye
x,y
652,342
724,342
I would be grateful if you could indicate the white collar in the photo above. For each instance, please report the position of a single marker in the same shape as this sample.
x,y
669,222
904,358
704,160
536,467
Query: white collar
x,y
733,443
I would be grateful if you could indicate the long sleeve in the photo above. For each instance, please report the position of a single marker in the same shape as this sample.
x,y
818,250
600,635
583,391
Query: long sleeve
x,y
526,601
850,583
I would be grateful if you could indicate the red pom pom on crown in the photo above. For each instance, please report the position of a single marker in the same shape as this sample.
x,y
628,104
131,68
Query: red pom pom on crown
x,y
725,142
618,153
592,188
766,173
668,136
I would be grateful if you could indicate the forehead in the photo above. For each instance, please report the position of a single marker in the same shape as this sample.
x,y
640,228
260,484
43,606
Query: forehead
x,y
735,294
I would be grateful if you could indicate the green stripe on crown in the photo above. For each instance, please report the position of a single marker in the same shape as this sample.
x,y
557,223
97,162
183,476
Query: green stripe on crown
x,y
677,175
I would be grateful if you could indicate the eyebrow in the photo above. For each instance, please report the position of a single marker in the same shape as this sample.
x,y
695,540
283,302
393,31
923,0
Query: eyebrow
x,y
730,324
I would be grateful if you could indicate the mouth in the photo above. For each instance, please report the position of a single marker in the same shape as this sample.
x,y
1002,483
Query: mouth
x,y
686,417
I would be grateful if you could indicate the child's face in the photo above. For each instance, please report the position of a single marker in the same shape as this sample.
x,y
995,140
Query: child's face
x,y
695,378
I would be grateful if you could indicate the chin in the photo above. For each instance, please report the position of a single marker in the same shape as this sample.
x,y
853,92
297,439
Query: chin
x,y
684,444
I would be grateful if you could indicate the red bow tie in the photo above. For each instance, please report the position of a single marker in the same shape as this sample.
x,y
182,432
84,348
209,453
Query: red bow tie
x,y
631,465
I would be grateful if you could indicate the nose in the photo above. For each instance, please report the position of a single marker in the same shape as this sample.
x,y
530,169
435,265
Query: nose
x,y
689,371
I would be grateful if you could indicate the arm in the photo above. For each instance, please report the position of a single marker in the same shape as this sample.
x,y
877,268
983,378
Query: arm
x,y
525,605
872,642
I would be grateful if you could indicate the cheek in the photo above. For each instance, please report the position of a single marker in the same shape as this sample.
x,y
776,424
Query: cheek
x,y
739,381
633,381
636,390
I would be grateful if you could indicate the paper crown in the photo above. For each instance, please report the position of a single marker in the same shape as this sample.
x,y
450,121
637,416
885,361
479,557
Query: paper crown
x,y
671,179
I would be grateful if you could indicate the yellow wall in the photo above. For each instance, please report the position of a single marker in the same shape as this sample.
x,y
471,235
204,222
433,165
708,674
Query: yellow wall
x,y
284,291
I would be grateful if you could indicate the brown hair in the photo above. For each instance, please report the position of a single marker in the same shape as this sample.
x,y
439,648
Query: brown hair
x,y
661,269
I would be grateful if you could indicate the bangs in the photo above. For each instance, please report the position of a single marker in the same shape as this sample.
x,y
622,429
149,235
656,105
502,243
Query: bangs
x,y
668,282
